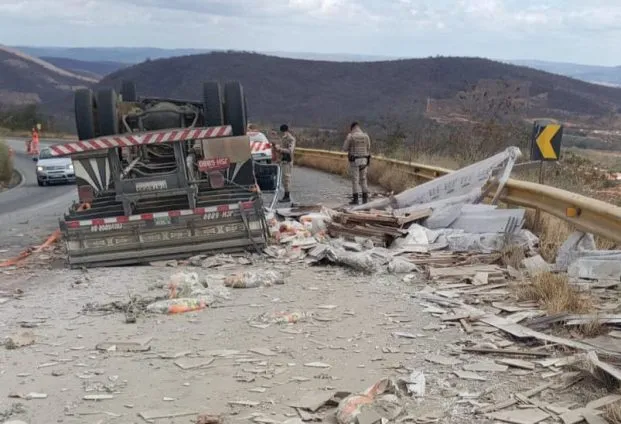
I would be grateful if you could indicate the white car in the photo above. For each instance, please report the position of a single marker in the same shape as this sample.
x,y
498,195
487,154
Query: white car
x,y
260,147
51,169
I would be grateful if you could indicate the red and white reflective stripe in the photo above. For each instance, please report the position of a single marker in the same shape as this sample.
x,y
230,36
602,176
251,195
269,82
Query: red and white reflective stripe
x,y
258,146
158,215
137,139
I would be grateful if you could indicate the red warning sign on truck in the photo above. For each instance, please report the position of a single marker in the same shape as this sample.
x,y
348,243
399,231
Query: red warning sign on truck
x,y
213,164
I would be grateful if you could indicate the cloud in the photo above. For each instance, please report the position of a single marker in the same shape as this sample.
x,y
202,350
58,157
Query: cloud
x,y
570,30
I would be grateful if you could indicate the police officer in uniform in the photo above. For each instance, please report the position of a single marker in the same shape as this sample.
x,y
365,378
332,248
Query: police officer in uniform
x,y
358,148
286,150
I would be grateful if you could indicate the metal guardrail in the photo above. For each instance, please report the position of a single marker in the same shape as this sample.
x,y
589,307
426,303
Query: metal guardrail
x,y
584,213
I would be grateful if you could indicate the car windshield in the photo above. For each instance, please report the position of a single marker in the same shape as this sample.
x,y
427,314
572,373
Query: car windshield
x,y
45,154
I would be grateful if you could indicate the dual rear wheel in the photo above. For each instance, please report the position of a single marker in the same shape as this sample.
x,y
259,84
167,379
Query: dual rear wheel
x,y
96,113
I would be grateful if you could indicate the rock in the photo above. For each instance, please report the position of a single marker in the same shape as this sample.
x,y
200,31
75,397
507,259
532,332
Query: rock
x,y
25,338
536,265
208,419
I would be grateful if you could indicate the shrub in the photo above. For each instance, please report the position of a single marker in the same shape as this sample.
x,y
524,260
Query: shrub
x,y
6,164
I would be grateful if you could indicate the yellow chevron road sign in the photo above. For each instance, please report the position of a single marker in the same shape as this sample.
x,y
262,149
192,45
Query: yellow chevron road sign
x,y
546,141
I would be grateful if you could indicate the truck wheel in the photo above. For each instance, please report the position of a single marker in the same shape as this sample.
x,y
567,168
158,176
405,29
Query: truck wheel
x,y
106,112
234,108
84,113
212,104
128,91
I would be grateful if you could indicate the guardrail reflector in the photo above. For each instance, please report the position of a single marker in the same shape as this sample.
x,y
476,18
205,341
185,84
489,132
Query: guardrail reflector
x,y
572,212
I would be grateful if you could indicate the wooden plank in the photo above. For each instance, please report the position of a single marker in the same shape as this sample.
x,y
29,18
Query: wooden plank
x,y
415,216
506,352
511,402
522,332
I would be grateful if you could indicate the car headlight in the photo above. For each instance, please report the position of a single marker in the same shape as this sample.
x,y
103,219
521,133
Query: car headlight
x,y
70,167
40,168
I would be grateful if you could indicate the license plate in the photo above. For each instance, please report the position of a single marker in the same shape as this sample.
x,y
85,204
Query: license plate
x,y
213,164
151,185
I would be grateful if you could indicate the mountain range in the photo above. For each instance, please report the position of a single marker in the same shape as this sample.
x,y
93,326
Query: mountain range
x,y
309,92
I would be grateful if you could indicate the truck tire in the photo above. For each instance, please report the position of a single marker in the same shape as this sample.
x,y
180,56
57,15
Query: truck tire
x,y
128,91
106,112
84,113
234,108
212,104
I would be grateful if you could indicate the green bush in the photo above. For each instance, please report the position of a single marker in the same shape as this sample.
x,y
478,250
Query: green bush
x,y
6,164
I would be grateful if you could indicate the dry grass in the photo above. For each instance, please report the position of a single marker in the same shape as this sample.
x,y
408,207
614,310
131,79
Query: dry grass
x,y
512,255
593,329
613,413
552,233
6,165
554,293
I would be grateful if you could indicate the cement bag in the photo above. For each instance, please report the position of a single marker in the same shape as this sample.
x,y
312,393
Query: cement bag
x,y
315,222
381,398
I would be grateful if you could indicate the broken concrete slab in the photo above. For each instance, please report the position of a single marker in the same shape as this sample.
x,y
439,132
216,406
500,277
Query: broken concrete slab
x,y
457,183
314,401
263,351
521,416
468,375
135,345
442,360
516,363
605,267
485,366
191,364
459,241
502,221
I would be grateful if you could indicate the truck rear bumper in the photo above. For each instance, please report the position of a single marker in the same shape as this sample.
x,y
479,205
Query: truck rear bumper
x,y
124,240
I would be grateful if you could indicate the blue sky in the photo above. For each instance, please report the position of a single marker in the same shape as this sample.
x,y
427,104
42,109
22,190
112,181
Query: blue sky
x,y
559,30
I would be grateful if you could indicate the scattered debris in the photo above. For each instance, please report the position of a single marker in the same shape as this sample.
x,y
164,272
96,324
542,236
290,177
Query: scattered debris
x,y
485,367
249,279
415,384
98,397
28,396
263,351
158,414
317,365
245,403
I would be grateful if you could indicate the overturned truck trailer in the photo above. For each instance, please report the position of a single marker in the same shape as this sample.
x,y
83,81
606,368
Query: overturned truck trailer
x,y
161,178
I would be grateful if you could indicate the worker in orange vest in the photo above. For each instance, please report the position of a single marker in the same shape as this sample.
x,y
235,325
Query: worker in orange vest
x,y
34,142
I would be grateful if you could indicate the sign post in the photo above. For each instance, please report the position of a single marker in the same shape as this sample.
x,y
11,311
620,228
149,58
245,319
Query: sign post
x,y
545,146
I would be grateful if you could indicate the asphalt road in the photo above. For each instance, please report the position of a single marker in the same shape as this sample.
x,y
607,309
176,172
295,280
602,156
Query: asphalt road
x,y
29,213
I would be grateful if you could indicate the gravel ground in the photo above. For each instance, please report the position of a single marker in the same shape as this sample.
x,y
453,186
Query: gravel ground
x,y
352,331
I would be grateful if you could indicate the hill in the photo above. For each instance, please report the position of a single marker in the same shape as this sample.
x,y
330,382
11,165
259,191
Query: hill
x,y
96,70
127,55
607,75
132,55
327,93
25,79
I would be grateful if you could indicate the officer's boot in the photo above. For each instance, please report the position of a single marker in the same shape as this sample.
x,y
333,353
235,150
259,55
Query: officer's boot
x,y
354,200
286,198
365,198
